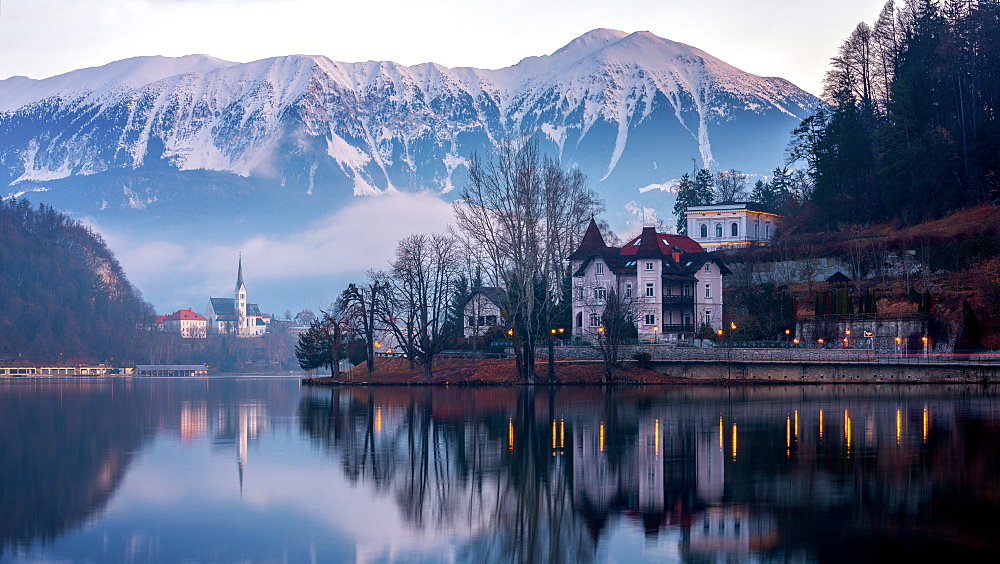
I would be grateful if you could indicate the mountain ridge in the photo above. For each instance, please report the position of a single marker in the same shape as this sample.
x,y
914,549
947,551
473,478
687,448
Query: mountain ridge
x,y
630,109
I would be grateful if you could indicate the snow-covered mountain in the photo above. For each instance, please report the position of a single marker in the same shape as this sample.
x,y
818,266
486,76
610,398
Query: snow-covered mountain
x,y
154,133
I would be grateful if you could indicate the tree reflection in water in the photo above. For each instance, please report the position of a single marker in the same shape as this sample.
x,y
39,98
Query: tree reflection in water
x,y
539,474
64,449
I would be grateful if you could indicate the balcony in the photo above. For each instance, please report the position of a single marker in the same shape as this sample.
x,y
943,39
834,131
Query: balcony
x,y
677,328
678,300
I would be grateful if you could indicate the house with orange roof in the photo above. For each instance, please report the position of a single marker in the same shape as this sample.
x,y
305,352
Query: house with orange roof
x,y
186,323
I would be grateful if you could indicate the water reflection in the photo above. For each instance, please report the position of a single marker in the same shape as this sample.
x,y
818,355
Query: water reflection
x,y
810,473
67,446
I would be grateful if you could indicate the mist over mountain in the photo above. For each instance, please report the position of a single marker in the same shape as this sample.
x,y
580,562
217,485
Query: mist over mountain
x,y
172,145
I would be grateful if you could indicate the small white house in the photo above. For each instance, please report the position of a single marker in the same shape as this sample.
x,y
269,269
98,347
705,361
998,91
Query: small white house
x,y
483,311
731,224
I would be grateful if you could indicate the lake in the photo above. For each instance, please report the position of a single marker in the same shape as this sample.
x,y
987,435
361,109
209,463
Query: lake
x,y
262,469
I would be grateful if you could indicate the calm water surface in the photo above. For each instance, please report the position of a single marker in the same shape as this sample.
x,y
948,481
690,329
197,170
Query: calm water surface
x,y
263,470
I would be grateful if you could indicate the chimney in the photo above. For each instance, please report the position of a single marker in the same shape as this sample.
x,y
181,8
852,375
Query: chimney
x,y
675,253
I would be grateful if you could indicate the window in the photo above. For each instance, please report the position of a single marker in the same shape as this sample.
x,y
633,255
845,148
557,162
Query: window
x,y
628,290
600,268
734,229
579,319
650,319
687,289
668,289
708,317
649,265
595,320
718,230
650,290
704,231
600,293
708,290
756,229
708,267
767,230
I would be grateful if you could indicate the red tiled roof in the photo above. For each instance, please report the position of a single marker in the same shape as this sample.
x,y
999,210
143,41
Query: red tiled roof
x,y
184,314
656,244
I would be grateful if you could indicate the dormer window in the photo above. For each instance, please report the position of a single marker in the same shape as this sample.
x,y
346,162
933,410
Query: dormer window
x,y
600,268
649,265
708,267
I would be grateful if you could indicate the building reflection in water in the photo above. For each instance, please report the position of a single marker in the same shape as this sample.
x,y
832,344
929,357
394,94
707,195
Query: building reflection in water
x,y
550,475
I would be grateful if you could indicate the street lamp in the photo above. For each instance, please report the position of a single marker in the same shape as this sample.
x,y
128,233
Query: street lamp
x,y
897,347
656,332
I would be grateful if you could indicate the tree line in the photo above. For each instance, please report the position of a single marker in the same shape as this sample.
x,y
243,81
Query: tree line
x,y
63,295
909,128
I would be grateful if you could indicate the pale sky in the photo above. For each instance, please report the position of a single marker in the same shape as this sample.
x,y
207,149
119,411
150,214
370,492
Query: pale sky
x,y
793,39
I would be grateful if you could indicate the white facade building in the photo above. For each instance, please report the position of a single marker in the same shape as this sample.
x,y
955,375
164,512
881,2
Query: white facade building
x,y
671,285
186,323
483,311
731,224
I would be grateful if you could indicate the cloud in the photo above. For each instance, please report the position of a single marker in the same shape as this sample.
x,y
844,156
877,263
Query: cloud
x,y
303,269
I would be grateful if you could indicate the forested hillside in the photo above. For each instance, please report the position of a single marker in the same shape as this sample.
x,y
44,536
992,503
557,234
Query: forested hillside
x,y
911,130
63,296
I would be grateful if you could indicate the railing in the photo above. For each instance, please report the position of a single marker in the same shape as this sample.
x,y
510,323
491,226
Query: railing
x,y
677,328
678,300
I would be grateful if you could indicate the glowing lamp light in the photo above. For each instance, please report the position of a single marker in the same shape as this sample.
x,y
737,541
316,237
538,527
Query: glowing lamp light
x,y
510,332
719,332
600,329
795,341
820,341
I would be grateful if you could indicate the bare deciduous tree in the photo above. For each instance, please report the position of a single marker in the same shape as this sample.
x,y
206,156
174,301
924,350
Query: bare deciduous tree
x,y
525,213
731,186
422,282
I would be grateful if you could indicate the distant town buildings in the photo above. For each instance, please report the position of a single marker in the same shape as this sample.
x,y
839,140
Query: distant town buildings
x,y
731,224
235,316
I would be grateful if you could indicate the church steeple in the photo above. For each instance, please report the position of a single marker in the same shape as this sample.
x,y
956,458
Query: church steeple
x,y
241,300
239,275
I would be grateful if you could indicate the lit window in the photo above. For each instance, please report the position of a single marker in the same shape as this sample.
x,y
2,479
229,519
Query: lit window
x,y
649,290
649,265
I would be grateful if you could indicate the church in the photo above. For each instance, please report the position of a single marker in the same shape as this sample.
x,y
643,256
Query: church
x,y
234,316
